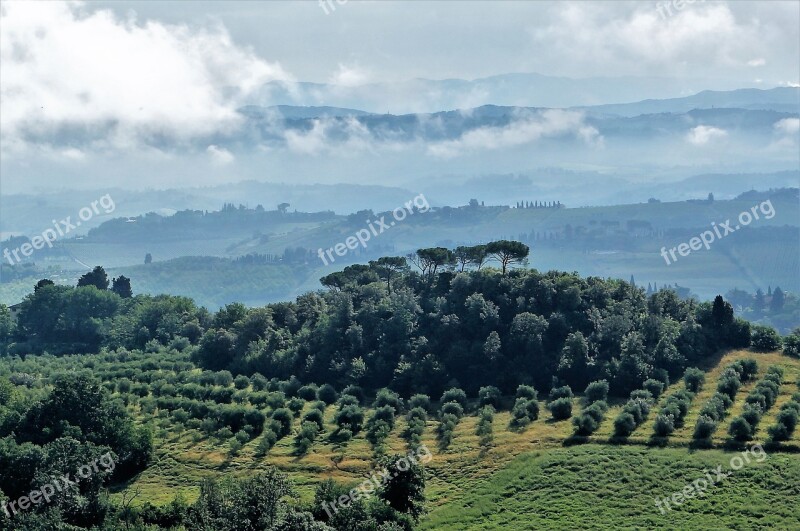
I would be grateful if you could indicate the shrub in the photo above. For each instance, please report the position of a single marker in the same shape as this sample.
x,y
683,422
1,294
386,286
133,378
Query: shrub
x,y
526,391
489,396
356,391
308,392
560,392
284,418
694,379
305,438
327,394
420,401
387,397
452,408
519,413
749,369
241,382
455,395
764,338
561,408
590,418
641,394
752,414
258,382
729,385
740,429
624,424
595,391
791,344
266,443
296,405
705,427
315,416
444,431
348,400
664,425
654,386
350,417
319,405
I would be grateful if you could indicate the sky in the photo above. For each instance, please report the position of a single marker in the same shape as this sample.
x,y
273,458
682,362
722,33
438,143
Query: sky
x,y
102,82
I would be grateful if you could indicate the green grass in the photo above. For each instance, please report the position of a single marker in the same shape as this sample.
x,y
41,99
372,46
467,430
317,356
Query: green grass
x,y
614,487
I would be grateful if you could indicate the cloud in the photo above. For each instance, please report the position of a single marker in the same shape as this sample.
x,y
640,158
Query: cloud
x,y
594,38
349,76
67,72
524,130
703,134
788,126
220,156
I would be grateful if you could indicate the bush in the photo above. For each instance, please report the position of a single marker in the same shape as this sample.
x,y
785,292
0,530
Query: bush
x,y
307,392
561,408
319,405
560,392
444,431
741,430
258,382
350,417
526,391
296,405
315,416
455,395
705,428
305,438
664,425
387,397
624,424
452,408
694,379
791,344
489,396
241,382
749,369
356,391
642,394
327,394
752,414
420,401
347,400
764,338
590,418
654,386
284,418
596,391
266,443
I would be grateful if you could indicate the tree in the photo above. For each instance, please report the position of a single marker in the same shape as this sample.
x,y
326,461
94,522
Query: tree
x,y
97,277
721,313
388,266
778,300
405,489
122,287
431,259
282,207
7,328
148,258
475,255
42,283
508,252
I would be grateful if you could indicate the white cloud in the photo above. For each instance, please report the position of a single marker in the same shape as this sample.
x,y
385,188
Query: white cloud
x,y
788,126
703,134
757,62
524,130
119,83
349,76
220,156
73,154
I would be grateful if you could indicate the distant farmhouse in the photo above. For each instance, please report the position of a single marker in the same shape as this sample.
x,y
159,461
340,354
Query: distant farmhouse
x,y
15,311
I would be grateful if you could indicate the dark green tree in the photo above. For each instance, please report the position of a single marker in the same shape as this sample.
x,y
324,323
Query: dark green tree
x,y
97,277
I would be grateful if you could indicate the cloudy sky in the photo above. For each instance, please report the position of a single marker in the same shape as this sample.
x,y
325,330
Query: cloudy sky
x,y
84,83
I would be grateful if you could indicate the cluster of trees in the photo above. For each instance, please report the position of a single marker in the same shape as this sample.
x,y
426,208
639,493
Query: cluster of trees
x,y
383,325
760,400
72,424
717,406
787,418
594,408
